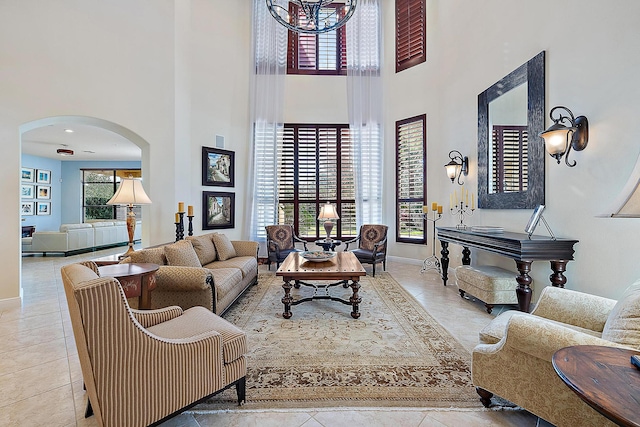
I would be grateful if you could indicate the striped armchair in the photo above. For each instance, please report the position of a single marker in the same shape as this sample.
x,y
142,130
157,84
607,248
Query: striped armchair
x,y
140,367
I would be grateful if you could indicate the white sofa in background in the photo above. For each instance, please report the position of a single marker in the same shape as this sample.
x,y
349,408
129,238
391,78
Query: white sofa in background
x,y
84,237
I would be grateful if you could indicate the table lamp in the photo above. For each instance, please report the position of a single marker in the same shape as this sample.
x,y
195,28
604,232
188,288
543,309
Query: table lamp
x,y
328,213
130,193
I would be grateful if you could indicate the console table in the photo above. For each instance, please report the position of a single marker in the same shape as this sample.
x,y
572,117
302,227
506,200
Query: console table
x,y
517,246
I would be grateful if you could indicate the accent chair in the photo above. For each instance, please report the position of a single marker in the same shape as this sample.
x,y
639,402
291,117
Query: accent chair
x,y
372,245
143,366
281,241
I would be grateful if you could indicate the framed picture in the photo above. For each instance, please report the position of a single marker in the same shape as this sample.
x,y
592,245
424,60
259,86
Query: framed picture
x,y
28,175
43,176
533,221
43,208
218,210
218,167
43,192
27,191
27,208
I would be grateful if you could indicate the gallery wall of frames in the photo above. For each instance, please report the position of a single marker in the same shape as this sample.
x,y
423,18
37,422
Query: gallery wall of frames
x,y
35,192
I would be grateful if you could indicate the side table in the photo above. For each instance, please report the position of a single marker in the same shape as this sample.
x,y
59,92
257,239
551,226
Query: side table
x,y
137,280
328,246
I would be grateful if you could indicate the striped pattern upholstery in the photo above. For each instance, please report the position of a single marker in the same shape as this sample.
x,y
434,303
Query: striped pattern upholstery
x,y
134,377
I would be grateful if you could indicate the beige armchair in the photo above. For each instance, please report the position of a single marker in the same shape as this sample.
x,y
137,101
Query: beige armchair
x,y
140,367
513,358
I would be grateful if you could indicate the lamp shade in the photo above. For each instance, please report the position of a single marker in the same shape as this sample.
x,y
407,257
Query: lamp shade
x,y
452,169
556,139
130,192
328,211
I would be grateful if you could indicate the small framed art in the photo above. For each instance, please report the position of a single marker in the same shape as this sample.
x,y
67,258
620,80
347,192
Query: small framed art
x,y
27,208
533,221
43,176
218,210
43,208
27,191
43,192
27,175
218,167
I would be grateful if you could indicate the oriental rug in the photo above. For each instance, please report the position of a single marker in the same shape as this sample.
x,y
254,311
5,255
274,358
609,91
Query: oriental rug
x,y
394,355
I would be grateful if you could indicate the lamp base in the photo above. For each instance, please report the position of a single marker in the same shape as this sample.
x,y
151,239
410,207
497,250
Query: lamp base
x,y
328,226
131,228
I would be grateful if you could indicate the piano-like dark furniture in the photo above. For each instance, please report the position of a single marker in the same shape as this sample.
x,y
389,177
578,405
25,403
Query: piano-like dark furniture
x,y
517,246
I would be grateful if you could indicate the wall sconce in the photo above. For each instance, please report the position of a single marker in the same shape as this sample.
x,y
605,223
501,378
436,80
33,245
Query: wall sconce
x,y
457,166
560,139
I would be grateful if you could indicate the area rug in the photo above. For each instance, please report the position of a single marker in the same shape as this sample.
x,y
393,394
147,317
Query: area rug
x,y
394,355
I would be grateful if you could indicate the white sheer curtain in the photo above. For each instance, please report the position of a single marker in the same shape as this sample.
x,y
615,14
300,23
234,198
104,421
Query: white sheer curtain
x,y
269,60
364,95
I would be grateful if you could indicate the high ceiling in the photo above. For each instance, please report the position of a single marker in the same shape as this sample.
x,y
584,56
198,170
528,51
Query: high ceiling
x,y
87,142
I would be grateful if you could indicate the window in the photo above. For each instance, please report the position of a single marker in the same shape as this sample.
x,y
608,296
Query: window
x,y
324,53
315,166
411,179
98,186
411,38
509,159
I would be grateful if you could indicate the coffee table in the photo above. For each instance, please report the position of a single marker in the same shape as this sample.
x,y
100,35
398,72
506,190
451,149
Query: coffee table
x,y
604,378
344,269
137,280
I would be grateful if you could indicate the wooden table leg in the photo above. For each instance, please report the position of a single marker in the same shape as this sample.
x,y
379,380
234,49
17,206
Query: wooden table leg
x,y
355,299
146,283
287,299
523,291
444,261
466,256
557,278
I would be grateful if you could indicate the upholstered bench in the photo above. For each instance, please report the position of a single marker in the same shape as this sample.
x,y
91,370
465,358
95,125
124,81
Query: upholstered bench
x,y
490,284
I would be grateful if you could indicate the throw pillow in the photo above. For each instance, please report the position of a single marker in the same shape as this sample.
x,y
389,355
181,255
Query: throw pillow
x,y
623,323
182,253
152,255
223,246
204,247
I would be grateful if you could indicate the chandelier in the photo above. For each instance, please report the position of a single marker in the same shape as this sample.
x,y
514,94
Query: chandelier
x,y
313,16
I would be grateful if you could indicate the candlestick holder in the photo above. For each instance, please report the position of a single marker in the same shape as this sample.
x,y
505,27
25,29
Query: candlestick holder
x,y
432,262
190,224
461,210
181,231
177,231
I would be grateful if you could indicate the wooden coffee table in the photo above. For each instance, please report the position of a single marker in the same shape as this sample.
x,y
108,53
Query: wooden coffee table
x,y
344,268
137,280
604,378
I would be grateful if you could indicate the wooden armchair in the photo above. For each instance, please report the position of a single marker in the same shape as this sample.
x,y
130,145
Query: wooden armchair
x,y
281,241
372,245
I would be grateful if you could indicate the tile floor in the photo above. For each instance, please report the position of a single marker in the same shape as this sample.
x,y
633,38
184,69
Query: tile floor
x,y
41,382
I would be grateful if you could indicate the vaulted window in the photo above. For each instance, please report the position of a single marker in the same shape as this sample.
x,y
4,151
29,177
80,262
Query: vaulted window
x,y
411,179
411,37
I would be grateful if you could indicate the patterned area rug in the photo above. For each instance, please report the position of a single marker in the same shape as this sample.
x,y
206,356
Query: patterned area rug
x,y
394,355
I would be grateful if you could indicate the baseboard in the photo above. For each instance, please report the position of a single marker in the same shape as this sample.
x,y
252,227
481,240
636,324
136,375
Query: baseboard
x,y
9,303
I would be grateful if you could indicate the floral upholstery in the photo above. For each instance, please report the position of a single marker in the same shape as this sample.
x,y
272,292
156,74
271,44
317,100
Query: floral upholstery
x,y
281,241
513,358
372,245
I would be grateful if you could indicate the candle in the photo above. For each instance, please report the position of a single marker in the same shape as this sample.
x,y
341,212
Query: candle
x,y
177,218
455,197
425,209
467,197
473,203
450,201
189,210
434,206
439,209
180,206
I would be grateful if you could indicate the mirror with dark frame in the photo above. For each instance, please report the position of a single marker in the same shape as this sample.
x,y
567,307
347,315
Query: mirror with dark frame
x,y
511,155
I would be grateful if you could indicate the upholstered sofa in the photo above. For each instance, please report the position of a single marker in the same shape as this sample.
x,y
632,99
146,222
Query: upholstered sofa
x,y
207,270
82,237
513,358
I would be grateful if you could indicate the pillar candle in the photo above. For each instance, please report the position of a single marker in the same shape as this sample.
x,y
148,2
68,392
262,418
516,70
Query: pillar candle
x,y
434,206
177,218
180,206
467,198
455,197
425,209
189,210
473,202
439,209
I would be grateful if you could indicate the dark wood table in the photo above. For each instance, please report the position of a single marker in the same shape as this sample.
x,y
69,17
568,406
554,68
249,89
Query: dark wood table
x,y
344,268
604,378
517,246
328,246
137,280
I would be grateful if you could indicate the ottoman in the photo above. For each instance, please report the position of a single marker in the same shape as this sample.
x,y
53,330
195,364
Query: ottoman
x,y
490,284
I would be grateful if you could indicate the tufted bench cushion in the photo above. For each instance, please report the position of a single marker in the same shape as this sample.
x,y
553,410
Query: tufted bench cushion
x,y
490,284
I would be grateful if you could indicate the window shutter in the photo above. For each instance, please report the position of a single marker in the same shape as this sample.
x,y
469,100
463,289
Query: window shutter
x,y
411,38
509,159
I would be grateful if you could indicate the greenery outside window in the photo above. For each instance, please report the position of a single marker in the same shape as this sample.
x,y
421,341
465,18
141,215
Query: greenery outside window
x,y
98,186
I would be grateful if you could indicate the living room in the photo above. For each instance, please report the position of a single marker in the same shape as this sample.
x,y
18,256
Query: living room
x,y
165,72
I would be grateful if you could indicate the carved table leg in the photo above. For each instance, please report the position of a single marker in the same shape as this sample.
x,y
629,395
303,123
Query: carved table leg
x,y
287,299
355,299
485,396
557,278
444,261
466,256
523,291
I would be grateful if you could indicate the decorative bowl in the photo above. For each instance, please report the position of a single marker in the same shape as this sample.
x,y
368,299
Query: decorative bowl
x,y
318,256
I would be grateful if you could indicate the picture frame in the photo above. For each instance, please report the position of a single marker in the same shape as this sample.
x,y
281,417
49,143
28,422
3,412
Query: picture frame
x,y
533,221
27,175
218,167
43,208
27,208
43,176
43,192
218,210
27,191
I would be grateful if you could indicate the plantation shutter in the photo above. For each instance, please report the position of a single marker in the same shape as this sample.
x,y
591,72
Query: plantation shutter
x,y
411,39
509,159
